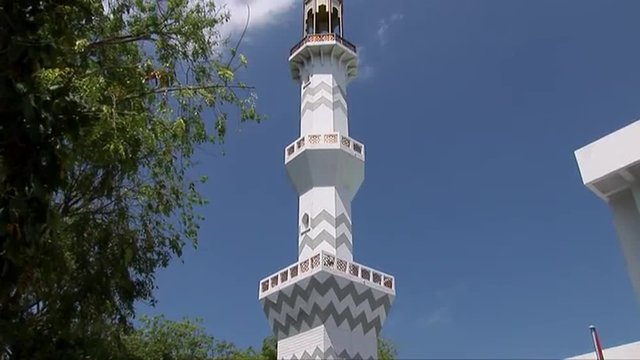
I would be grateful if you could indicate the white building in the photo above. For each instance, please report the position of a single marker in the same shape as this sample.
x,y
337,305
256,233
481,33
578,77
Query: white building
x,y
623,352
610,167
325,306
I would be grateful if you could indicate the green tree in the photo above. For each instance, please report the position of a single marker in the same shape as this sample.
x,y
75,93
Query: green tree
x,y
387,350
159,338
270,348
102,110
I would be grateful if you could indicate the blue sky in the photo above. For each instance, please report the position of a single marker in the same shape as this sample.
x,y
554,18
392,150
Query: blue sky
x,y
471,111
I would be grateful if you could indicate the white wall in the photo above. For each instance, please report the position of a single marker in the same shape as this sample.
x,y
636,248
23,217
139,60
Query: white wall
x,y
610,154
622,352
626,215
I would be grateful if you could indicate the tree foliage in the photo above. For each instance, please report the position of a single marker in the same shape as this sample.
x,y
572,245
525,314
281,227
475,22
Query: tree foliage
x,y
387,350
159,338
103,104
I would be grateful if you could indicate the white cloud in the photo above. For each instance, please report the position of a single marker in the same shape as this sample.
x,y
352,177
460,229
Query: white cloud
x,y
263,12
366,70
443,313
384,25
440,316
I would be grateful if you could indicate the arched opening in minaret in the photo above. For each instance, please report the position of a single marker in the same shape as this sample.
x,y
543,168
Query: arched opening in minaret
x,y
305,222
335,22
309,23
322,21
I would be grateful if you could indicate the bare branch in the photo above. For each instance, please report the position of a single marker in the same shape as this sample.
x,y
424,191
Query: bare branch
x,y
187,88
244,32
122,40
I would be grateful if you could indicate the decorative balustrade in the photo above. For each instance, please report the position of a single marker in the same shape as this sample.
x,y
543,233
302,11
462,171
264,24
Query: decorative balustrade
x,y
357,148
306,2
346,141
314,139
323,37
324,260
329,139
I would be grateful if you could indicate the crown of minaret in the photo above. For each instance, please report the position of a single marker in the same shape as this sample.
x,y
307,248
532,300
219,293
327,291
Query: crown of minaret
x,y
325,306
323,22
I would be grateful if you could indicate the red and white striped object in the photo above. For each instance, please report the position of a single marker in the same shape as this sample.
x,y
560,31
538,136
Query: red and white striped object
x,y
596,343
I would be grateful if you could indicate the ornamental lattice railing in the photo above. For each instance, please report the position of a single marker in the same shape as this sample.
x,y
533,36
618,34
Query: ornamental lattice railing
x,y
323,37
324,260
331,139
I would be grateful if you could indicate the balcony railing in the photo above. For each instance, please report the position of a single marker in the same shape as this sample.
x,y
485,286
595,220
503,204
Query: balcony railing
x,y
319,139
324,260
323,37
306,2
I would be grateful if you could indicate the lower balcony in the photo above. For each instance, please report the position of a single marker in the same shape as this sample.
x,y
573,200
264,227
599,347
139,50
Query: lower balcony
x,y
326,261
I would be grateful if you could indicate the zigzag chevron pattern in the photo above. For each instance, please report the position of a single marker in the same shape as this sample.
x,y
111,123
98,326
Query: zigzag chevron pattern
x,y
330,353
323,86
332,97
315,302
324,215
318,316
322,284
340,307
324,237
331,236
323,101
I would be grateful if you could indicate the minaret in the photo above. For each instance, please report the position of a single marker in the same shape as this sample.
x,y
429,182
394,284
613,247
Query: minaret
x,y
325,306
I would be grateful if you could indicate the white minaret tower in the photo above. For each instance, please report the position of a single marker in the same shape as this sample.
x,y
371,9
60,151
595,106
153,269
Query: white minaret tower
x,y
610,167
325,306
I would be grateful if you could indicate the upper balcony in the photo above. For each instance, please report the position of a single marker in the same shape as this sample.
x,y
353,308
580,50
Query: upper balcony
x,y
318,48
318,38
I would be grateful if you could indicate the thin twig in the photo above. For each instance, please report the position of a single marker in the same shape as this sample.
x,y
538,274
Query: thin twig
x,y
244,32
122,40
187,88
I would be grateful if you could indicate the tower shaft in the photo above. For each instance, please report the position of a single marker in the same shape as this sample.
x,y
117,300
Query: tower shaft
x,y
325,165
324,95
329,226
325,306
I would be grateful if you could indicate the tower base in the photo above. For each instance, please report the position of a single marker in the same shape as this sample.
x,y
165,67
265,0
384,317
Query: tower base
x,y
328,342
327,308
